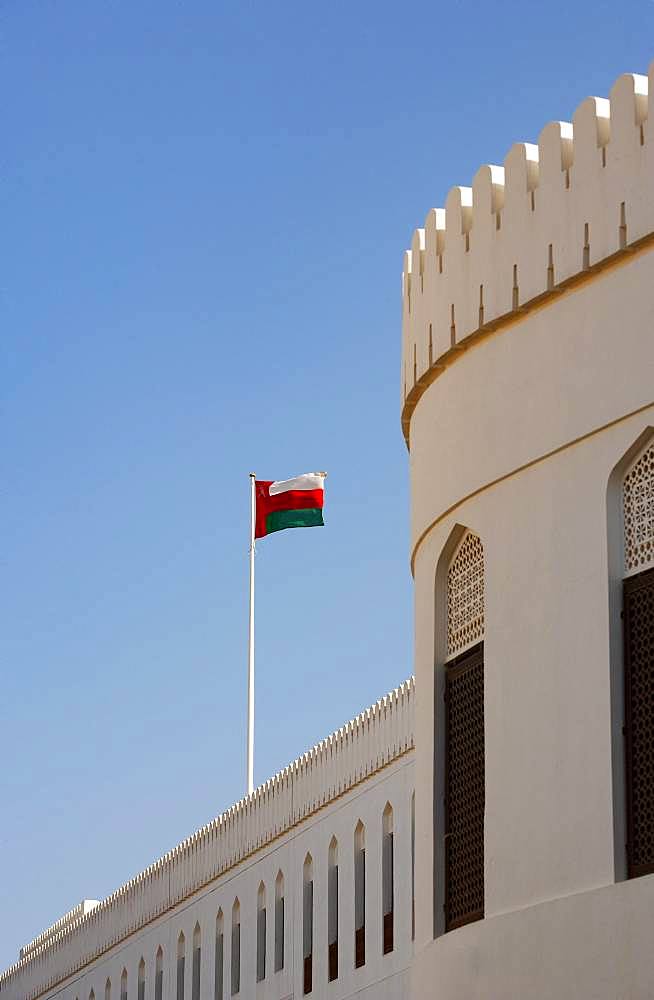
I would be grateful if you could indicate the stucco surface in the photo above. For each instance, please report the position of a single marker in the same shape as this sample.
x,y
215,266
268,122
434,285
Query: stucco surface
x,y
527,379
592,946
581,362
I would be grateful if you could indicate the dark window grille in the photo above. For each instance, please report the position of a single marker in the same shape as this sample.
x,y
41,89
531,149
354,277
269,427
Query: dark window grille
x,y
235,971
308,937
464,789
261,944
387,893
308,974
279,934
332,955
388,933
360,907
359,947
218,966
639,718
180,978
332,923
195,987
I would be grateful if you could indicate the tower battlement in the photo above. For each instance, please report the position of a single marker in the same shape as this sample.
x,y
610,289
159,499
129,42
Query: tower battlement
x,y
580,200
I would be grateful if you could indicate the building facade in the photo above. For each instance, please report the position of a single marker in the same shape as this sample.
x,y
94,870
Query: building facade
x,y
490,832
528,409
299,889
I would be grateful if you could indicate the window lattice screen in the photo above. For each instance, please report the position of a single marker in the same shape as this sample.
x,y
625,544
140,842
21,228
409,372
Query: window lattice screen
x,y
465,596
639,698
638,510
464,791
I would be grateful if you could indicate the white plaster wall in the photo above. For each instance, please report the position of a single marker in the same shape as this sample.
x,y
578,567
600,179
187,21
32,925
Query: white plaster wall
x,y
382,976
517,440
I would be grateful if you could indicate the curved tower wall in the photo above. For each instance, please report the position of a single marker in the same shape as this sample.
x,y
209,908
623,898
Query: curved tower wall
x,y
527,377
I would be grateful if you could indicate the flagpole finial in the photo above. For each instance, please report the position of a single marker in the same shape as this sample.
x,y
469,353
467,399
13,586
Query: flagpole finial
x,y
253,475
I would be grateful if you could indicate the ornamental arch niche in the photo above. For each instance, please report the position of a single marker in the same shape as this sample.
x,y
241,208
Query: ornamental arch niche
x,y
219,956
279,921
158,974
630,558
459,737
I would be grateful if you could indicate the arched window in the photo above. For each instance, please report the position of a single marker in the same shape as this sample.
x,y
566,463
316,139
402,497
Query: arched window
x,y
197,956
140,988
261,933
307,924
388,906
464,735
279,922
158,974
465,596
332,910
92,995
638,513
235,969
181,962
123,985
359,895
219,957
638,631
107,989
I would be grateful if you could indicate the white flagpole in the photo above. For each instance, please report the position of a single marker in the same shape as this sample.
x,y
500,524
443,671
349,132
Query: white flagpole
x,y
250,749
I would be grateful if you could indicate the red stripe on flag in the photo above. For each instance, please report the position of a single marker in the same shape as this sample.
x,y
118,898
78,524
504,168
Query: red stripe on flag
x,y
289,500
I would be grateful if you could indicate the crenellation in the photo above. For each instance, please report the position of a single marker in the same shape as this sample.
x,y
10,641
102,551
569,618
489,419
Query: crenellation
x,y
526,229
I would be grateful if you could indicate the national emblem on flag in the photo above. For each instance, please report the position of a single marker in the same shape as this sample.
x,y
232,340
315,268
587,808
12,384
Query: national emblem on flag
x,y
289,503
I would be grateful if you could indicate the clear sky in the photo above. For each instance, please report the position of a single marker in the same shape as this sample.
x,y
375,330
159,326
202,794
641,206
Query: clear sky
x,y
204,208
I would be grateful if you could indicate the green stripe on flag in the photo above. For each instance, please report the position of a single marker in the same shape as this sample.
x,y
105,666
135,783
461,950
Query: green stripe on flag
x,y
311,518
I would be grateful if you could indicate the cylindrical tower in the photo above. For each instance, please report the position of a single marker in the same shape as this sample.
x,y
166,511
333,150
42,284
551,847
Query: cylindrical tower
x,y
528,410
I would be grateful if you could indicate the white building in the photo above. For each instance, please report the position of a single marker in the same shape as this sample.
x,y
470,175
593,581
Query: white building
x,y
301,888
528,410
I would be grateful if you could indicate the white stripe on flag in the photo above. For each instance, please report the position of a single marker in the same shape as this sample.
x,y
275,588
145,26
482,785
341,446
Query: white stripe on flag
x,y
310,481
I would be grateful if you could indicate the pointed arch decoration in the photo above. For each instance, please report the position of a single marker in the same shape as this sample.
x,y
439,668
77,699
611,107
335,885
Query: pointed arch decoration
x,y
235,969
261,933
219,957
181,965
307,924
332,910
463,735
465,595
637,500
638,512
359,895
158,974
197,962
388,891
279,921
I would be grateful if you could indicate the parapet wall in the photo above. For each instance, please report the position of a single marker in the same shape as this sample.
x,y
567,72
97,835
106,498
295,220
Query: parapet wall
x,y
68,918
358,750
554,214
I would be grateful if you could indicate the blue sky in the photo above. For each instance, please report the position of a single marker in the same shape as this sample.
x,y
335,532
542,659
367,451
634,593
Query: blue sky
x,y
204,210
